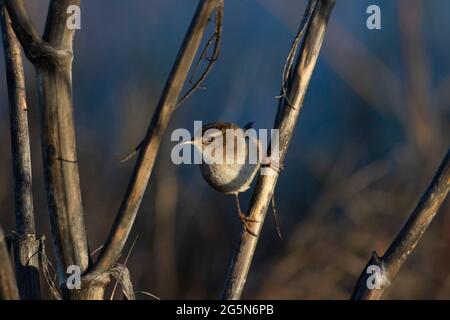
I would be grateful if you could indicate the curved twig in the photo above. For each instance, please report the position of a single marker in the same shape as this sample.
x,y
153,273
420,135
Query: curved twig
x,y
217,38
287,69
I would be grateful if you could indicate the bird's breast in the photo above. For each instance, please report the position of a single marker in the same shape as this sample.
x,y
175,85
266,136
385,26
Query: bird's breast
x,y
229,178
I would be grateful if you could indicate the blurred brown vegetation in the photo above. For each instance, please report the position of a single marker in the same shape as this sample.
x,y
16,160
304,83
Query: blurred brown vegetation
x,y
346,203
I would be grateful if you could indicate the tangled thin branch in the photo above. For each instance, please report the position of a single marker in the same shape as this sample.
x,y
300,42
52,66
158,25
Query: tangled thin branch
x,y
213,41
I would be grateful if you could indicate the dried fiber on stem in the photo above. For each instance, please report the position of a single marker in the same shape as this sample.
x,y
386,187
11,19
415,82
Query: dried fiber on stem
x,y
287,69
216,38
316,15
408,238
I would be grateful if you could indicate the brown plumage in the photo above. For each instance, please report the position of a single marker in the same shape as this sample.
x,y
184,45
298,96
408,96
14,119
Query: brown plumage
x,y
234,174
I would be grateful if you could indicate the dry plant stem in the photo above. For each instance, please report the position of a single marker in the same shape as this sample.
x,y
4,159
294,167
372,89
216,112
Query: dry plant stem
x,y
147,155
286,121
52,58
8,285
36,48
217,38
25,243
405,242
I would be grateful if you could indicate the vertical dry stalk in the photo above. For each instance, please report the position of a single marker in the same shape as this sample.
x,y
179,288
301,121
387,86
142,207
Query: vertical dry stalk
x,y
25,243
52,57
297,81
8,286
150,146
408,238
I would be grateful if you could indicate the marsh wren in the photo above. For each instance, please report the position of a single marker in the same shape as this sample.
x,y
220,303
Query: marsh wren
x,y
230,160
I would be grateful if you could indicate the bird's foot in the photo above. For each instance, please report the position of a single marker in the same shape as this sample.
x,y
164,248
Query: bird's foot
x,y
274,165
245,223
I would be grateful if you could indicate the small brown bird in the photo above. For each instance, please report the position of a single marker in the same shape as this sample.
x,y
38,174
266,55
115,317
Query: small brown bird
x,y
235,173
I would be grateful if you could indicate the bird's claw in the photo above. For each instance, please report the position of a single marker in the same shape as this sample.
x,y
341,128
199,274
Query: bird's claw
x,y
245,220
274,165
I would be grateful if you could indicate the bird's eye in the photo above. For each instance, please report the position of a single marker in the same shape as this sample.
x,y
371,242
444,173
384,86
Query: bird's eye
x,y
210,139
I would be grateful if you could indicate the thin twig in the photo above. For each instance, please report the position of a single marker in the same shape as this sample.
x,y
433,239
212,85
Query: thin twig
x,y
25,243
133,153
408,238
286,120
45,264
124,264
216,37
96,250
287,69
148,152
148,294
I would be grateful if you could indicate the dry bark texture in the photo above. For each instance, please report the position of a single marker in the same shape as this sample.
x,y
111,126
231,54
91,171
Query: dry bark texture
x,y
296,82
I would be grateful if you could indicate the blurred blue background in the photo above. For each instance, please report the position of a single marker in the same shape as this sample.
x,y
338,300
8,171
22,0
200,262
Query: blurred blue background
x,y
374,127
